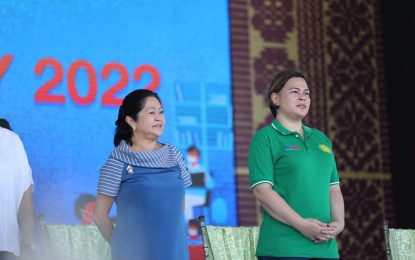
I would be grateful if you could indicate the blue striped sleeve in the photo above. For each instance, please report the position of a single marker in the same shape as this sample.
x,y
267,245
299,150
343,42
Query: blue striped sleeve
x,y
184,172
110,177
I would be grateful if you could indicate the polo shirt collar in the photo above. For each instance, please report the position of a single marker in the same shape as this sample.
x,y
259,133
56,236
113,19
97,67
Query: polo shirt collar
x,y
284,131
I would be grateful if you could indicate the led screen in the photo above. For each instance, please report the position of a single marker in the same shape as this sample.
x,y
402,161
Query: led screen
x,y
65,67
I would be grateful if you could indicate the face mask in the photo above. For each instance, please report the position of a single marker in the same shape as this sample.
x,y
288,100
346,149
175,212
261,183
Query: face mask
x,y
192,159
193,232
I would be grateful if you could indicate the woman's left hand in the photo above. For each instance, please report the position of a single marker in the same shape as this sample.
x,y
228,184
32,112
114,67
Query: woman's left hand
x,y
329,232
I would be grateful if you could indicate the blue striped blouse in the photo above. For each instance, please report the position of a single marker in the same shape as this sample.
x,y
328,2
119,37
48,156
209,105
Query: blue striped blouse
x,y
165,157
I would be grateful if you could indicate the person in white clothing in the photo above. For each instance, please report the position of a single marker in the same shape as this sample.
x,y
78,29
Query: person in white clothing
x,y
17,218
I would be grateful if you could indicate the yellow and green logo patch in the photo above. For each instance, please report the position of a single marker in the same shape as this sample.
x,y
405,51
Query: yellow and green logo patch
x,y
325,148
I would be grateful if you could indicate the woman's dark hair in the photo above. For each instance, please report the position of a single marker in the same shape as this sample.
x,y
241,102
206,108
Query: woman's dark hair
x,y
132,104
278,82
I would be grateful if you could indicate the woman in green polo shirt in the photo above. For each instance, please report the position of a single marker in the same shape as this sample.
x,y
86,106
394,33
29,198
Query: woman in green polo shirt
x,y
293,175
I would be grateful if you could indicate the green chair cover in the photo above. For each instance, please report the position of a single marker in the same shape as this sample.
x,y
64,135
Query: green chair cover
x,y
74,242
402,244
232,242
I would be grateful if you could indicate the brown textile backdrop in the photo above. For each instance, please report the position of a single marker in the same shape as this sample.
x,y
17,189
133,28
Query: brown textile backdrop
x,y
338,43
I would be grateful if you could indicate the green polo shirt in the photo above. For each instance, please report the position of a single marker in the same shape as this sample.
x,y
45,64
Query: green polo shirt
x,y
301,172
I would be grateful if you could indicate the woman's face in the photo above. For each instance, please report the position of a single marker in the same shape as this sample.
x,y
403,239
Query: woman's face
x,y
150,121
293,99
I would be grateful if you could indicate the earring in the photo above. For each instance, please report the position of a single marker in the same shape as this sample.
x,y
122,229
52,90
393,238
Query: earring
x,y
133,128
276,103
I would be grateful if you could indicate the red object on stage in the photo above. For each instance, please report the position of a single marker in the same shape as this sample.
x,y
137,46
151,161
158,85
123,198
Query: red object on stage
x,y
196,252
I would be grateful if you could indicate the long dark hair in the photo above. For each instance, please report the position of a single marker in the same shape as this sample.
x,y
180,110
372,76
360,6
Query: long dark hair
x,y
132,104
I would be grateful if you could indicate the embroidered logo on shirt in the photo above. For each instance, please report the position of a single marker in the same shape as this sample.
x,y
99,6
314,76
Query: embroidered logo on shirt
x,y
130,169
324,148
289,147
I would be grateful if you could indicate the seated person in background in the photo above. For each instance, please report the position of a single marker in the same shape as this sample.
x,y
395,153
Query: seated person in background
x,y
197,193
84,208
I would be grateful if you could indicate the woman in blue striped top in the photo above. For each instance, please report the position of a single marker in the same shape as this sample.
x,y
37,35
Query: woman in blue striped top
x,y
146,179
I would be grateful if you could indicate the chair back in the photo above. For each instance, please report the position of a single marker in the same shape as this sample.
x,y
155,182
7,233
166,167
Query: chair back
x,y
400,243
222,243
74,242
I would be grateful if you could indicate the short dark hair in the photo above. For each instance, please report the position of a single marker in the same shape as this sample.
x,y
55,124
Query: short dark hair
x,y
193,148
5,124
132,104
278,82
